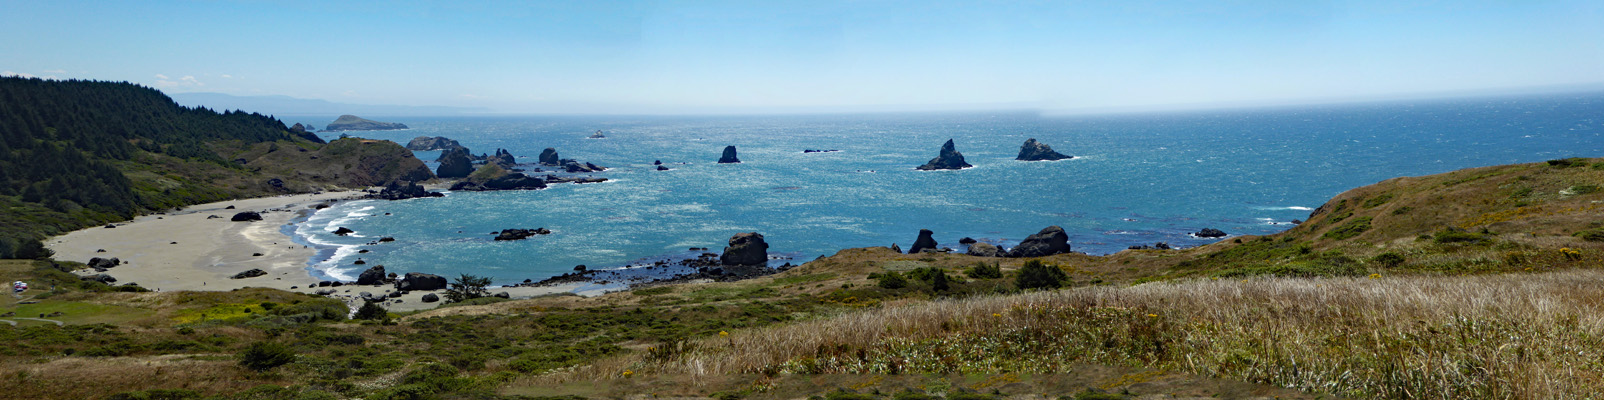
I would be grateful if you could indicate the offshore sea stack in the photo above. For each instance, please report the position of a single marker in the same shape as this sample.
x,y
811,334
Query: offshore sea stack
x,y
1049,241
746,248
549,157
924,242
454,163
503,159
1037,151
426,143
729,156
949,158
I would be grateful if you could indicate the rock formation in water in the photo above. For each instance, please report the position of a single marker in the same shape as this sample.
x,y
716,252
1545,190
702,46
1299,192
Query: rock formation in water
x,y
1037,151
746,249
549,157
402,191
512,181
355,123
427,143
1210,233
925,241
454,163
729,156
503,159
1051,240
598,135
949,158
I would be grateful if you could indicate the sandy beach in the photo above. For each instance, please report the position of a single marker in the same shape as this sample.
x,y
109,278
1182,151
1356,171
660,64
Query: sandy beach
x,y
188,250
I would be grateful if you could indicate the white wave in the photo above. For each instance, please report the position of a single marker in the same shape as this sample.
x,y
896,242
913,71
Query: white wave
x,y
1299,208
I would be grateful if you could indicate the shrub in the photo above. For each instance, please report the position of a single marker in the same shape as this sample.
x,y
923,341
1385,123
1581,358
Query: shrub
x,y
1592,235
983,271
1035,275
1567,162
372,311
157,394
1388,259
892,280
262,356
1352,228
1448,236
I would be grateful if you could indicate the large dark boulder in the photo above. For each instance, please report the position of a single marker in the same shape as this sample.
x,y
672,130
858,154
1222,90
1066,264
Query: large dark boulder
x,y
549,157
925,241
250,273
102,263
373,276
421,281
1035,151
949,158
573,166
729,156
454,163
1210,233
430,298
342,231
246,217
426,143
746,249
1051,240
985,250
503,159
400,191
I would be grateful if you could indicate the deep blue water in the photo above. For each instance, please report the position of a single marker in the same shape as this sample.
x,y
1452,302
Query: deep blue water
x,y
1136,179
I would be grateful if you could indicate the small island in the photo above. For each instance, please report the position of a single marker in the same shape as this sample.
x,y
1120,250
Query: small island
x,y
354,123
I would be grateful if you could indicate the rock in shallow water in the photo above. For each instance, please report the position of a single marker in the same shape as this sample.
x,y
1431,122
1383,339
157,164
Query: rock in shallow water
x,y
746,249
1036,151
949,158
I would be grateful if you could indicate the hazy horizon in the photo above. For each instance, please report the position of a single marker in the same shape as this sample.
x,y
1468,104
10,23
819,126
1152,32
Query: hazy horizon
x,y
664,57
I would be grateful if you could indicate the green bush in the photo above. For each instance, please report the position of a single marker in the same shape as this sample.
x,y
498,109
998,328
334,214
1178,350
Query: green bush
x,y
892,280
157,394
843,394
1035,275
372,311
983,271
262,356
467,287
1592,235
1568,162
1447,236
1388,259
1352,228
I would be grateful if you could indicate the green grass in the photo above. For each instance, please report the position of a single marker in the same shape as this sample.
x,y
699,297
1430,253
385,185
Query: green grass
x,y
77,312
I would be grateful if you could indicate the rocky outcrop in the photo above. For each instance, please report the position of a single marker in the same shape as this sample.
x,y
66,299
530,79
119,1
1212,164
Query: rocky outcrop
x,y
949,158
503,159
1036,151
729,156
342,231
572,179
430,298
403,191
373,276
101,264
512,181
1051,240
246,217
549,157
1154,246
303,132
573,166
925,241
1210,233
746,249
985,250
520,234
355,123
454,163
250,273
598,135
421,281
427,143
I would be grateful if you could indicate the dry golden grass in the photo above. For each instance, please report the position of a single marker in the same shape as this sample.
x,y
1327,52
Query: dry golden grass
x,y
1525,336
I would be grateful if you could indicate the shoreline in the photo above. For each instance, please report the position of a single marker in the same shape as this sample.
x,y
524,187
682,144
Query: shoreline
x,y
187,250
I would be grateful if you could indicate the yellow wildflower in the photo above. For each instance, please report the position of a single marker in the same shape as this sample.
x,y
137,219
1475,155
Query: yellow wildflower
x,y
1375,276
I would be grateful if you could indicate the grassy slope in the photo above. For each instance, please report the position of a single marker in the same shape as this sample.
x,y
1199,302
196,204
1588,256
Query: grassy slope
x,y
1415,329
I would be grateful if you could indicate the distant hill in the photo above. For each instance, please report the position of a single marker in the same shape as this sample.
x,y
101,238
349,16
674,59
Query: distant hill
x,y
355,123
281,106
76,153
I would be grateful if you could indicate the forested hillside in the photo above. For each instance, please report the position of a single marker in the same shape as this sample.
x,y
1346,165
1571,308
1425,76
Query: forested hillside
x,y
79,153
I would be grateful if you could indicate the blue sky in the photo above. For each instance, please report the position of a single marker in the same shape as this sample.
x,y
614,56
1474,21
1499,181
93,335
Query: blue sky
x,y
752,56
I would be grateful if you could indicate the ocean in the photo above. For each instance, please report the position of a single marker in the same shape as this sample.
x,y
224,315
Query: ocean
x,y
1135,179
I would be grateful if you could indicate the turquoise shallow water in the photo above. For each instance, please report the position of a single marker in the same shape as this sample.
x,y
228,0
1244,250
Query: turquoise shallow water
x,y
1137,179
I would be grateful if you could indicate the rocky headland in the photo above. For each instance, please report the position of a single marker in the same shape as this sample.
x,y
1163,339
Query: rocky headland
x,y
427,143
